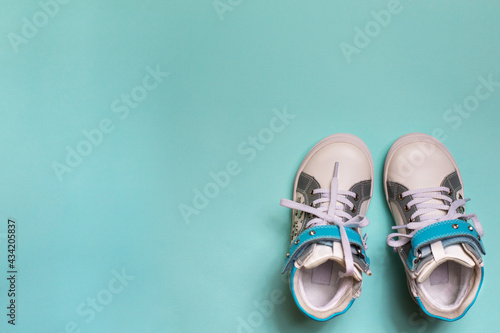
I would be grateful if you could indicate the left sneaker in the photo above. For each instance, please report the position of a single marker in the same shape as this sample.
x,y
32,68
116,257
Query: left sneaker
x,y
440,250
327,254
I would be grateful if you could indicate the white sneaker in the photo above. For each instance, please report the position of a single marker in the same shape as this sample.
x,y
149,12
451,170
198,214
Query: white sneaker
x,y
327,255
440,250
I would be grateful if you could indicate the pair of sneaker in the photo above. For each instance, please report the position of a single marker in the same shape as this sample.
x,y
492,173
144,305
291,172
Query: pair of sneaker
x,y
441,252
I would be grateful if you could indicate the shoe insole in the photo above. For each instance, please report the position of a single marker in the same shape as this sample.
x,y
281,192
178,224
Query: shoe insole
x,y
321,284
448,284
322,274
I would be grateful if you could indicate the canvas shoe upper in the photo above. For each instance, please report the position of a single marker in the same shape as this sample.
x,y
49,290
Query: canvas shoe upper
x,y
440,250
327,255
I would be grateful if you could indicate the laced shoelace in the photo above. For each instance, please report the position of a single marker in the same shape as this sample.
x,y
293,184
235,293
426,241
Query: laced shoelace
x,y
333,214
420,199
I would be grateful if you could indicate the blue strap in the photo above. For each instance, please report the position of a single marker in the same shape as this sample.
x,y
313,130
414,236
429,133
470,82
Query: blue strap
x,y
450,232
318,234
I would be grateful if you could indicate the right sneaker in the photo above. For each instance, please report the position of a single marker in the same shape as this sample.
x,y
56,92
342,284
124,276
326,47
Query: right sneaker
x,y
440,250
327,255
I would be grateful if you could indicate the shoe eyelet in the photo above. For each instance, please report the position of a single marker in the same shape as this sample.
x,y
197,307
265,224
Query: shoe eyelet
x,y
353,210
478,237
400,196
360,254
311,193
450,192
454,226
311,204
406,208
288,254
410,220
312,232
297,241
356,198
460,196
471,228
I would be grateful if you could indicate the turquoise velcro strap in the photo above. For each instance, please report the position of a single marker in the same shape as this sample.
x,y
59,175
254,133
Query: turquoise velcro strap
x,y
450,232
318,234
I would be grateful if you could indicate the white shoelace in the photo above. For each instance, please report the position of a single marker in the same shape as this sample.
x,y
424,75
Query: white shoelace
x,y
333,214
420,197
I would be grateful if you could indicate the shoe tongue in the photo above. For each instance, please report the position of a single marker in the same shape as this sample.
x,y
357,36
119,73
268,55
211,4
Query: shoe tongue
x,y
454,252
317,254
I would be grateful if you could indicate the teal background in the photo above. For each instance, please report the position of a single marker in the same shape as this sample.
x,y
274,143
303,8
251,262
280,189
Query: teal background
x,y
120,208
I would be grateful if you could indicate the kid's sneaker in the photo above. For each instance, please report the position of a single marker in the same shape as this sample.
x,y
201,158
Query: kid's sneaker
x,y
327,255
440,250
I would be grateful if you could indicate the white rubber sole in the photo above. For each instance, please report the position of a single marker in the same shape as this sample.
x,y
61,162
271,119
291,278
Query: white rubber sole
x,y
412,138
